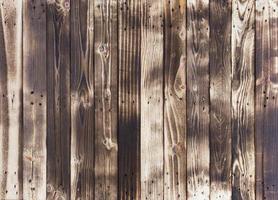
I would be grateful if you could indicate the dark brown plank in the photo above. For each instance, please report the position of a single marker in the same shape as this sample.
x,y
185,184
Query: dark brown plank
x,y
129,99
11,99
198,153
266,99
174,104
34,99
243,149
220,99
58,100
151,100
106,95
82,99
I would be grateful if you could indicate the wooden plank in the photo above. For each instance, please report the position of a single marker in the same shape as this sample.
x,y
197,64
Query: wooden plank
x,y
82,100
174,104
243,149
220,99
58,100
11,99
266,99
198,153
129,99
151,100
34,99
106,98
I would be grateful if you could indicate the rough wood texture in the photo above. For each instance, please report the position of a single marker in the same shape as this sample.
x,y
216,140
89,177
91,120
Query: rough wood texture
x,y
106,95
198,99
174,101
151,100
129,99
58,100
220,99
243,151
266,99
34,99
11,99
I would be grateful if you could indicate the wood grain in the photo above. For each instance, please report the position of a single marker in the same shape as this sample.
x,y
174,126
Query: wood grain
x,y
106,95
151,100
34,100
220,99
266,99
129,99
198,100
174,100
58,100
243,149
82,100
11,99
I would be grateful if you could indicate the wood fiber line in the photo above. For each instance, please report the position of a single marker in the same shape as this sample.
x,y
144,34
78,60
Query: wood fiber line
x,y
82,100
174,102
220,99
129,100
198,153
243,149
11,99
106,98
58,100
266,99
34,100
151,100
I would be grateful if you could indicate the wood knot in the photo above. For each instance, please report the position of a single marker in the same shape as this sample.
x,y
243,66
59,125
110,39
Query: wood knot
x,y
109,145
103,50
178,148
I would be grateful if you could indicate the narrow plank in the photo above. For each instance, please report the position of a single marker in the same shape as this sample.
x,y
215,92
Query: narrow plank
x,y
243,149
129,99
220,99
266,99
198,153
106,98
34,99
174,105
82,99
58,100
11,99
151,100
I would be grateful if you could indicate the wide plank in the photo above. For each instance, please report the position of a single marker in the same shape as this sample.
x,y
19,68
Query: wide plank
x,y
198,153
129,99
106,98
34,100
11,99
58,100
220,99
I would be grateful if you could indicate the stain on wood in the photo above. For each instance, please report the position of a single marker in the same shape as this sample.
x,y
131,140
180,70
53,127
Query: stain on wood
x,y
138,99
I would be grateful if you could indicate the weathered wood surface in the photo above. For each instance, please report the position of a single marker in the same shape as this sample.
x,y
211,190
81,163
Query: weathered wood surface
x,y
138,99
34,100
11,99
129,99
243,39
198,100
220,99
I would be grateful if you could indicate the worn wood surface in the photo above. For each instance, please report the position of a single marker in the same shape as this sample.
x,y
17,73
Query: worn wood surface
x,y
138,99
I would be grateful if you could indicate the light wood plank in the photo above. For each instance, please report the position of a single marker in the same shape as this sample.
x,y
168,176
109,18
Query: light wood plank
x,y
198,153
11,99
129,99
243,149
151,100
106,98
34,99
220,99
58,100
174,102
82,100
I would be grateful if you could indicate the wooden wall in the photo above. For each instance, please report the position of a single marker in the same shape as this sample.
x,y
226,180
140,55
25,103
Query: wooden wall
x,y
139,99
